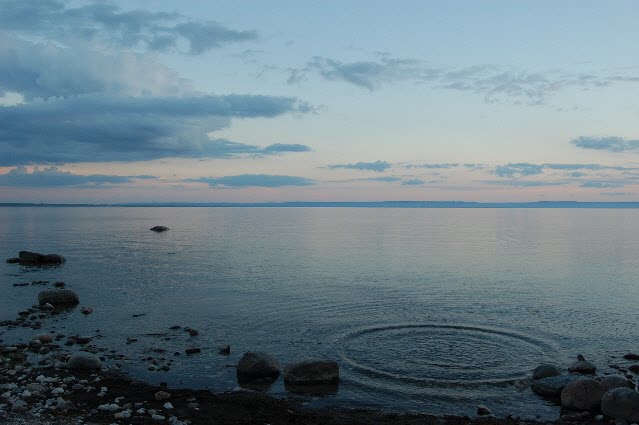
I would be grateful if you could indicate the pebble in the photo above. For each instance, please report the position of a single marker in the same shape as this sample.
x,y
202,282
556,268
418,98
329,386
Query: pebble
x,y
157,417
167,405
108,407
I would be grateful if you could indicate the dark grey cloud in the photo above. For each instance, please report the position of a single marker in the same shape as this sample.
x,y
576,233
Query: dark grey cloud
x,y
254,180
102,128
377,166
107,23
612,144
54,177
493,82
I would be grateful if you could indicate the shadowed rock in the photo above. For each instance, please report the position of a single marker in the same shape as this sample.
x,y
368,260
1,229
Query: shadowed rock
x,y
312,373
611,382
621,403
545,370
58,297
159,229
84,361
582,395
34,258
257,364
552,386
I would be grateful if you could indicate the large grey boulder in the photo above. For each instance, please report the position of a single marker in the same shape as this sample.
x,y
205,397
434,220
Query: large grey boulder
x,y
58,297
27,257
84,361
611,382
552,386
621,403
312,373
582,395
545,370
257,364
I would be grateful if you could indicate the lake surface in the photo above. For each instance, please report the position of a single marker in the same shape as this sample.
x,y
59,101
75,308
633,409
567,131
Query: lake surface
x,y
429,310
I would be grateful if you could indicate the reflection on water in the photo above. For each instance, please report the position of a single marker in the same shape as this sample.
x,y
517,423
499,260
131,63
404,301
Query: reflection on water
x,y
424,309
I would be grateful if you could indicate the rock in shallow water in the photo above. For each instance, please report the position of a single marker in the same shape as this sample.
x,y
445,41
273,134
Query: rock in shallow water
x,y
552,386
159,229
545,370
85,361
583,367
582,395
34,258
312,373
621,403
59,297
257,364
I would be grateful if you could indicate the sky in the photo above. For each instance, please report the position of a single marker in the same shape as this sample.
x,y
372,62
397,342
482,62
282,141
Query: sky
x,y
300,100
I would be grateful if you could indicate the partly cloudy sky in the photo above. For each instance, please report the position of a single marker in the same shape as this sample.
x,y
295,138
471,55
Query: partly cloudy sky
x,y
362,100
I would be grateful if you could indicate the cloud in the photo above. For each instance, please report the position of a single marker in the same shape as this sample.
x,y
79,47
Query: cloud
x,y
37,70
612,144
518,170
54,177
386,179
103,128
614,193
377,166
254,180
494,83
432,166
603,184
413,182
524,183
107,23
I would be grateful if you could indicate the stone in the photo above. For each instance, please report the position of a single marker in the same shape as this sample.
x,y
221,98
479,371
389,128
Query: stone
x,y
157,417
162,395
312,373
631,356
258,364
58,297
84,361
621,403
44,338
19,406
193,350
634,368
86,310
13,260
34,258
225,351
545,371
159,229
582,395
553,386
583,366
483,410
610,382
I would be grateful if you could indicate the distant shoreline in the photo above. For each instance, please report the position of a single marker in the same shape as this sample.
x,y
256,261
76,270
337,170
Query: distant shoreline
x,y
374,204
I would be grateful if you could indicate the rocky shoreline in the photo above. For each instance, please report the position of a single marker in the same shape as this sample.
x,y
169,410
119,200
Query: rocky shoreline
x,y
56,378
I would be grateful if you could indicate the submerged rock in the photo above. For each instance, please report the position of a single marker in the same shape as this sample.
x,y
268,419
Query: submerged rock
x,y
621,403
629,356
582,395
257,364
59,297
545,370
84,361
553,386
13,260
159,229
312,373
35,258
583,367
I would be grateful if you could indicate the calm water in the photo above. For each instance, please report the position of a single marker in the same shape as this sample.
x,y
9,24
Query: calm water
x,y
432,310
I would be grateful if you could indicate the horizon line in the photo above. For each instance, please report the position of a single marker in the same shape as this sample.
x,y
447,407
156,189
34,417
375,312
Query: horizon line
x,y
346,204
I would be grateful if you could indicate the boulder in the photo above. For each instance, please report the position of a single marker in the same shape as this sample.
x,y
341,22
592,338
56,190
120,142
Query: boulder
x,y
610,382
13,260
58,297
257,364
629,356
584,367
545,370
621,403
159,229
312,373
84,361
27,257
552,386
582,395
44,338
634,368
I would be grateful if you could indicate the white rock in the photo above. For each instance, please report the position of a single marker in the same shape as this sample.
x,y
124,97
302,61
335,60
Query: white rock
x,y
168,405
26,394
57,391
108,407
